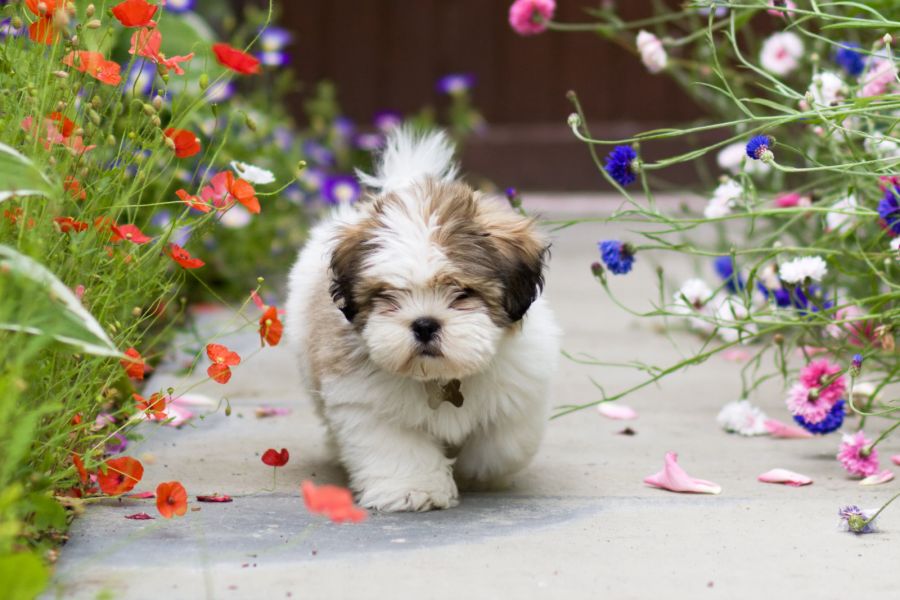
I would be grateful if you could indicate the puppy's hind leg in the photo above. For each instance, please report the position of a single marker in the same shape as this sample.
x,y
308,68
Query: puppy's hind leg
x,y
391,467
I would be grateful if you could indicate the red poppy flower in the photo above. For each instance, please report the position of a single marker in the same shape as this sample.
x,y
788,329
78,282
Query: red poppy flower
x,y
215,498
183,257
79,466
186,143
270,327
66,126
67,224
122,474
73,186
193,201
95,65
334,502
171,499
222,359
134,364
135,13
76,420
154,407
273,458
139,517
236,60
130,233
148,42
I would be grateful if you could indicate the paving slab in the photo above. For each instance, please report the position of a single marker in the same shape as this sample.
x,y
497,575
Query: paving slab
x,y
577,523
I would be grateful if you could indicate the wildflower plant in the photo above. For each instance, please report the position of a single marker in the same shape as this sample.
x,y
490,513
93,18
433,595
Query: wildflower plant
x,y
795,237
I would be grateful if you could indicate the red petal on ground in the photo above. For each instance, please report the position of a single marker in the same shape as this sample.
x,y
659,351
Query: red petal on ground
x,y
142,516
215,498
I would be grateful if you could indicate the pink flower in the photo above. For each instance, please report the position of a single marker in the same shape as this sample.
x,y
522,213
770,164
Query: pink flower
x,y
787,5
878,478
857,333
854,456
791,200
216,193
616,411
805,402
674,478
527,17
817,372
878,77
820,388
785,476
896,459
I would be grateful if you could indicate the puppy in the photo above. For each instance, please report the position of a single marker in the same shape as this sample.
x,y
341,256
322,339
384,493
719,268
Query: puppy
x,y
421,332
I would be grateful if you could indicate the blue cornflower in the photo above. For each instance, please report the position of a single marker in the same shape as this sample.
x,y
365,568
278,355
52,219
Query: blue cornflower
x,y
273,39
856,365
618,257
725,267
179,6
7,29
889,210
318,153
832,421
620,164
455,83
274,58
849,58
855,519
781,296
140,78
340,189
758,146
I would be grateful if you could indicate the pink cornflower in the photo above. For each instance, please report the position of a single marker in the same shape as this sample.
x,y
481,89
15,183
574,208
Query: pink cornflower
x,y
527,17
878,77
854,456
792,199
825,376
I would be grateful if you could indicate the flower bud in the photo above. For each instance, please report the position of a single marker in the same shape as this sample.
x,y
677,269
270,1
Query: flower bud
x,y
148,109
778,339
169,143
856,365
111,140
887,39
597,270
251,124
158,103
156,122
61,74
89,11
93,24
94,116
301,164
204,81
16,22
574,120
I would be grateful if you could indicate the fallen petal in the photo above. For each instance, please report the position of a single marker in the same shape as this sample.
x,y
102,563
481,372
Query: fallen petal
x,y
194,400
896,459
675,479
141,495
269,411
617,411
215,498
877,478
785,476
139,517
783,430
737,355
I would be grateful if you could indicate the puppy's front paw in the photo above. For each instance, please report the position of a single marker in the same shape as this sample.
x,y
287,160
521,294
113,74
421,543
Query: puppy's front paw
x,y
395,495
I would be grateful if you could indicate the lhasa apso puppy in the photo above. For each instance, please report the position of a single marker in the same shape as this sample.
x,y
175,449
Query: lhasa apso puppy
x,y
421,331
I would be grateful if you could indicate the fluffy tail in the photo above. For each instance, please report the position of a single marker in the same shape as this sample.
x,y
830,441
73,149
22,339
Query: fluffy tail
x,y
409,156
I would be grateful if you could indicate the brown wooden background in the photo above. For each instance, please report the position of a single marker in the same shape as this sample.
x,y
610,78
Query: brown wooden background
x,y
388,54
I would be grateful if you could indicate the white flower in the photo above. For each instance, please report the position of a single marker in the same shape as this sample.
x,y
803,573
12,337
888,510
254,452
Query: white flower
x,y
733,156
724,198
895,246
827,89
236,217
882,147
742,418
798,270
691,299
835,221
252,174
781,53
730,314
652,52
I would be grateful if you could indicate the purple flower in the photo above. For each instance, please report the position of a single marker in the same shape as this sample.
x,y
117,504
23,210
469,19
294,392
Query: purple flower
x,y
312,179
369,141
725,267
385,120
889,209
318,153
856,365
180,6
139,79
855,519
620,165
219,91
848,57
7,29
274,39
274,58
832,421
340,189
117,444
343,127
284,137
618,257
456,83
758,146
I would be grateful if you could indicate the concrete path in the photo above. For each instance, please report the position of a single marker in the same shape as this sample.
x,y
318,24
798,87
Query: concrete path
x,y
578,523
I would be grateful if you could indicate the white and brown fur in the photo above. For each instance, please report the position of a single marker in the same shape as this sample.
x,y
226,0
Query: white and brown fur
x,y
424,246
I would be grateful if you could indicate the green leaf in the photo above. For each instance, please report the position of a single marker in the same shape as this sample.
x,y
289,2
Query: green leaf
x,y
20,177
48,513
24,576
33,300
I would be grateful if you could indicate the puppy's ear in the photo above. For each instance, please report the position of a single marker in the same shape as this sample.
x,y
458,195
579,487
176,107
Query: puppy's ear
x,y
520,252
345,264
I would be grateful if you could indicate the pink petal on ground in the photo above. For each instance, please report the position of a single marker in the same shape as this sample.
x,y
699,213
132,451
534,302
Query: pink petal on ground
x,y
736,355
617,411
177,411
269,411
141,495
674,479
786,477
215,498
877,478
783,430
139,517
896,459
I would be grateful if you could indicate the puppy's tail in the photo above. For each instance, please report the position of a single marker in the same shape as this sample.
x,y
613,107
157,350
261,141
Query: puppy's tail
x,y
410,156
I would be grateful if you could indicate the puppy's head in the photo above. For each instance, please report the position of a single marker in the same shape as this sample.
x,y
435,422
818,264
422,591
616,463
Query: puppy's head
x,y
432,277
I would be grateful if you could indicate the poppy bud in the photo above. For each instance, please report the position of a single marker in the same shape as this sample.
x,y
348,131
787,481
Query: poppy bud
x,y
778,339
251,124
17,23
260,280
301,164
204,81
111,140
157,102
96,102
61,74
89,11
169,143
93,24
136,311
94,116
132,135
227,408
156,121
148,110
887,39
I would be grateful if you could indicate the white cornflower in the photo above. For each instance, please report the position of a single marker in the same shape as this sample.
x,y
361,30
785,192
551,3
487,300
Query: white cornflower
x,y
236,217
252,174
653,54
827,89
730,314
733,156
691,299
806,267
781,53
742,418
724,198
837,218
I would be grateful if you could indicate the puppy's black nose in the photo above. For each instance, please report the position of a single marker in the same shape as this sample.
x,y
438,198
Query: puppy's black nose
x,y
425,328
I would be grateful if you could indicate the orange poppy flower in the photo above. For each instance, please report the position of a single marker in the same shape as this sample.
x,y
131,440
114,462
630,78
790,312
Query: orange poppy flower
x,y
183,257
134,364
186,143
135,13
270,327
121,475
154,407
148,43
67,224
130,233
222,359
244,193
193,201
171,499
273,458
42,31
95,65
236,60
334,502
73,186
79,466
66,125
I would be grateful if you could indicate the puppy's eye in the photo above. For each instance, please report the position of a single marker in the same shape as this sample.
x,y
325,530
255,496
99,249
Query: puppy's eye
x,y
461,296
